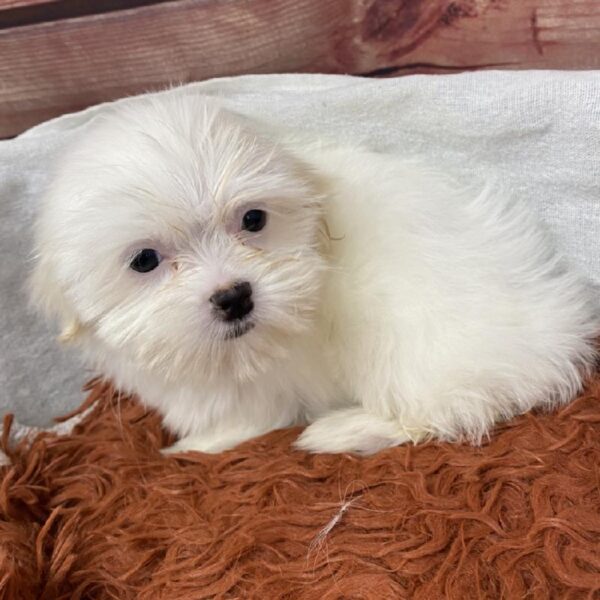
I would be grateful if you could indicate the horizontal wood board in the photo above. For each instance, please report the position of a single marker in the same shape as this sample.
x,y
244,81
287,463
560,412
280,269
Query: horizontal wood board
x,y
52,62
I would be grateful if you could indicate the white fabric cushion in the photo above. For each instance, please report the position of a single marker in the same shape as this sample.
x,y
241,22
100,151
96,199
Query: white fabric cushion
x,y
535,133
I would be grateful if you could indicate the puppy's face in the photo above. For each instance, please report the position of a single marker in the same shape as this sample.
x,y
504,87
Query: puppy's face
x,y
178,240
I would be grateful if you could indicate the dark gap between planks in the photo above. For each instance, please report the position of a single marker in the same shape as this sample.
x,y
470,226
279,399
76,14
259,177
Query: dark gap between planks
x,y
59,10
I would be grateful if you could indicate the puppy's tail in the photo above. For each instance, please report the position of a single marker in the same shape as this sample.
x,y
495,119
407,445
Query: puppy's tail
x,y
355,430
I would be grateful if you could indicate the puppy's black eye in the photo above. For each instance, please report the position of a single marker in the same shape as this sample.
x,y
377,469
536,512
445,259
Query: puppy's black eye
x,y
254,220
145,260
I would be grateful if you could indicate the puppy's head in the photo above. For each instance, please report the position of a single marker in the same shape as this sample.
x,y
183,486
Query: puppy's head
x,y
179,241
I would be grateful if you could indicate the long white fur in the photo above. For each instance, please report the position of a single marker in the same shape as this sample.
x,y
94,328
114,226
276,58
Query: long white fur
x,y
390,304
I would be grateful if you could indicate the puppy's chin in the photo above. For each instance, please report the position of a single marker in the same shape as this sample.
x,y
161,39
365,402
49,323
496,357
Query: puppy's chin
x,y
238,329
239,352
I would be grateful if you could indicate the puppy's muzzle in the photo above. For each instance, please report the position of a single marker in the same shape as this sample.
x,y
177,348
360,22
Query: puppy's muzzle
x,y
233,303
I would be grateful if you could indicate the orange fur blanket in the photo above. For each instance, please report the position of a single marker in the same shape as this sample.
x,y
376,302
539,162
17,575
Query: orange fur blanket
x,y
102,514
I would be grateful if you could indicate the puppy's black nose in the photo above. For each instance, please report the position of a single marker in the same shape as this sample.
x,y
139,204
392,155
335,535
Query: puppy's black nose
x,y
235,302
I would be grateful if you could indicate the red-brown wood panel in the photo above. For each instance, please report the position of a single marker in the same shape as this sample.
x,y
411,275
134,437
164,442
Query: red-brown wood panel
x,y
69,62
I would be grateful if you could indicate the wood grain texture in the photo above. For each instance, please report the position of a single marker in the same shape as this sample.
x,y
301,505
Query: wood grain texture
x,y
50,68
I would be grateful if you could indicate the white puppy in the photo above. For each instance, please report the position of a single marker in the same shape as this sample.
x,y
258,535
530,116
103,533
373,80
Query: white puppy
x,y
239,284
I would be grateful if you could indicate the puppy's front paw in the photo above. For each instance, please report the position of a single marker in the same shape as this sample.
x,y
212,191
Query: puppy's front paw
x,y
352,430
190,444
214,442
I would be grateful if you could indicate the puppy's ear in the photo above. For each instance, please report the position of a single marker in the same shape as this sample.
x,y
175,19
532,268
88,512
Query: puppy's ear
x,y
47,296
71,331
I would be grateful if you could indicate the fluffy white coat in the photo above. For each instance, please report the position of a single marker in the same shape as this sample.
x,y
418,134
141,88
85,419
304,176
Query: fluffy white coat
x,y
389,303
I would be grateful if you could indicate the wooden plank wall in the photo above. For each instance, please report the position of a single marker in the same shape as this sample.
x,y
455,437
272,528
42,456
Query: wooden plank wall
x,y
63,55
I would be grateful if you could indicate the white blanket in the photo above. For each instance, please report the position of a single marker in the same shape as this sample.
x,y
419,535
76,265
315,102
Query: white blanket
x,y
536,133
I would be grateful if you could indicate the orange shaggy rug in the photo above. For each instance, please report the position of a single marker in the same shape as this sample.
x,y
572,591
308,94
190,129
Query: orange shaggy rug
x,y
102,514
